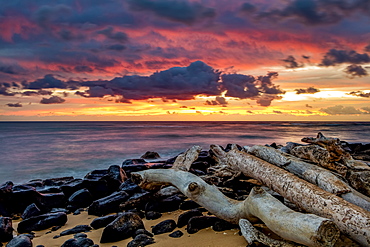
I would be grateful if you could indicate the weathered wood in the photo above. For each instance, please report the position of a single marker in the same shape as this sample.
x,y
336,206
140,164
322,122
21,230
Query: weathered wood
x,y
183,161
307,229
351,219
251,234
319,176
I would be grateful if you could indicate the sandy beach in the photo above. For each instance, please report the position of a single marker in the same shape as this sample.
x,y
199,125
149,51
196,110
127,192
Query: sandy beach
x,y
204,238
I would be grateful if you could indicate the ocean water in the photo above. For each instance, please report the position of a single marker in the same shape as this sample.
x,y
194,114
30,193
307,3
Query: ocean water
x,y
31,150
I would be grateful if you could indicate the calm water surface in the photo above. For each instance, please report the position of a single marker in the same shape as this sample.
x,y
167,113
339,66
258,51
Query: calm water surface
x,y
30,150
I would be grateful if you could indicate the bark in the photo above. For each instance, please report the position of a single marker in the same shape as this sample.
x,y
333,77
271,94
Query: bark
x,y
351,219
319,176
307,229
184,161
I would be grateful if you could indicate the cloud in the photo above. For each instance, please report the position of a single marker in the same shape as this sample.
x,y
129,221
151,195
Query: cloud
x,y
49,81
179,11
360,94
334,57
308,106
218,101
4,90
291,63
265,100
83,68
116,47
310,90
35,93
341,110
12,69
355,70
108,32
277,112
14,105
248,8
52,100
46,14
366,109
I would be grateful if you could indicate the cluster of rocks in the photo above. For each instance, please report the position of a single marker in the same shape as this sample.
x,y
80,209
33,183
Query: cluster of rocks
x,y
120,204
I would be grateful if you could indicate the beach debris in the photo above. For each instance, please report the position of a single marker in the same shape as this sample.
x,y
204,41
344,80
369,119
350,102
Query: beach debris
x,y
41,222
108,204
163,227
23,240
150,155
6,229
124,226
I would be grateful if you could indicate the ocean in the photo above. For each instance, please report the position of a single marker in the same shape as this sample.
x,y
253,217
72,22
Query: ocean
x,y
32,150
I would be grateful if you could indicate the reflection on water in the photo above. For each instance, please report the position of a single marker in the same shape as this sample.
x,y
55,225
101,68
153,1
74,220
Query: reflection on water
x,y
52,149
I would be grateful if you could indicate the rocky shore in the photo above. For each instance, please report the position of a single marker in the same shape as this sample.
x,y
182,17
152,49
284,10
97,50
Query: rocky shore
x,y
108,207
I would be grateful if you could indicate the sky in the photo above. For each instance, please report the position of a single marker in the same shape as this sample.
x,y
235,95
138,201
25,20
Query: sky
x,y
181,60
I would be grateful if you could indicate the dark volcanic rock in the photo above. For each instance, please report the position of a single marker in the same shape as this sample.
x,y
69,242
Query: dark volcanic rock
x,y
124,226
54,200
6,188
186,216
150,155
133,162
6,229
115,177
164,226
19,200
22,240
80,199
97,187
130,187
143,231
189,204
76,229
109,204
42,222
176,234
57,181
31,210
200,222
72,186
78,242
103,221
151,215
222,225
134,168
168,204
137,201
141,240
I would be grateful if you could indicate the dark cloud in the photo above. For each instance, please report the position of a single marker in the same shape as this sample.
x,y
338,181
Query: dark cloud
x,y
120,37
49,81
355,70
116,47
179,11
278,112
218,101
46,14
4,90
12,69
334,57
265,100
14,105
239,86
367,48
83,68
291,63
341,110
247,7
360,94
310,90
52,100
35,93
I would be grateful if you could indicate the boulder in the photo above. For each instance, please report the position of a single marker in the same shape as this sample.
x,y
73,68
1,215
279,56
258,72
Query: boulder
x,y
20,199
42,222
80,199
76,229
150,155
109,204
200,222
72,186
151,215
78,242
184,218
57,181
176,234
6,188
31,210
141,240
163,227
143,231
222,225
168,204
103,221
134,168
97,187
22,240
123,227
133,162
130,187
115,177
52,200
6,229
189,204
137,201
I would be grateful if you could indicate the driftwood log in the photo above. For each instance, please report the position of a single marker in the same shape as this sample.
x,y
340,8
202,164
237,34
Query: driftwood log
x,y
314,174
351,219
307,229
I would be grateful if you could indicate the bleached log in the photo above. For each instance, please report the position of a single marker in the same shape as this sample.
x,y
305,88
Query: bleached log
x,y
184,161
251,234
319,176
351,219
307,229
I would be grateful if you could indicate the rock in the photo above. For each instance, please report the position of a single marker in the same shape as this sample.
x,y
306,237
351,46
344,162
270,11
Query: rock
x,y
22,240
6,188
141,240
54,200
97,187
49,190
76,229
200,222
109,204
80,199
143,231
19,200
103,221
137,201
116,176
133,162
176,234
134,168
184,218
160,166
130,187
169,204
189,204
31,210
57,181
222,225
167,191
78,242
6,229
151,215
72,186
164,226
80,235
42,222
57,210
124,226
150,155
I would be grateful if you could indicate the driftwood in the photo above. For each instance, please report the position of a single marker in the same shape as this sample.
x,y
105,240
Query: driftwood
x,y
307,229
327,152
351,219
319,176
184,161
